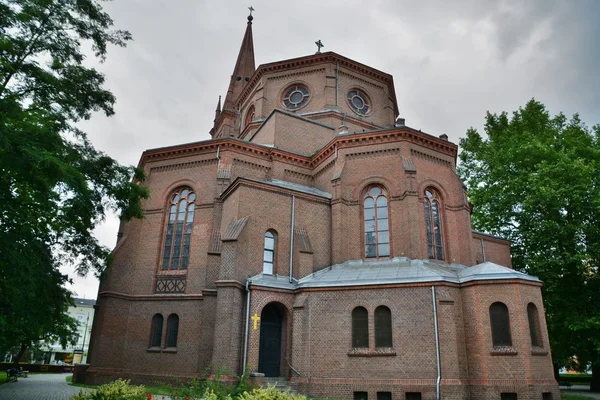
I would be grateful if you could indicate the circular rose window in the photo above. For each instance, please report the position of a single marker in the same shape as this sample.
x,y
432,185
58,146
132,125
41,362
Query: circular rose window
x,y
295,97
359,102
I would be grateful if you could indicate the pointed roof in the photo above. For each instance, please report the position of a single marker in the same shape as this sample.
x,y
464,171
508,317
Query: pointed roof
x,y
244,68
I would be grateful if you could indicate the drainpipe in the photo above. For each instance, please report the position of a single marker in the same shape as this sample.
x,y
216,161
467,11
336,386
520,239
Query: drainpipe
x,y
248,298
483,249
437,346
292,238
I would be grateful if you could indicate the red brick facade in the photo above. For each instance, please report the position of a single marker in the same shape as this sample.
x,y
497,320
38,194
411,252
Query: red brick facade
x,y
311,166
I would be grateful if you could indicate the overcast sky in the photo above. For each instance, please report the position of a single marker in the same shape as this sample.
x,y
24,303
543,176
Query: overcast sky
x,y
451,62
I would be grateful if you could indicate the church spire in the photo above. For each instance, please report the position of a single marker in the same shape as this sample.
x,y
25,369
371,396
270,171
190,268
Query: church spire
x,y
218,110
244,67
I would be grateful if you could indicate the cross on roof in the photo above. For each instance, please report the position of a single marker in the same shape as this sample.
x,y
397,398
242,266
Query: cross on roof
x,y
319,45
251,9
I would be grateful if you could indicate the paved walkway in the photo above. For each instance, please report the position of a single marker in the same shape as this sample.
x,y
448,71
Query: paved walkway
x,y
580,390
39,387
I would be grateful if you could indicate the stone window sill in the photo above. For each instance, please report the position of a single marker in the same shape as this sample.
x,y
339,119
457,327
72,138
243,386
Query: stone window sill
x,y
539,351
153,349
159,350
504,351
384,352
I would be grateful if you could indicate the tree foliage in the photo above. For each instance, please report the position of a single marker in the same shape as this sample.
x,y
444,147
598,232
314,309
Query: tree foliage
x,y
55,187
535,179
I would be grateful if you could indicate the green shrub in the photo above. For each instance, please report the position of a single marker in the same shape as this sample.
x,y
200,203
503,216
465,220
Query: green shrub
x,y
576,379
117,390
270,393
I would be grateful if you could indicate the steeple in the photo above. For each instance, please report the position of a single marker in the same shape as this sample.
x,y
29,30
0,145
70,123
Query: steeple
x,y
244,67
218,110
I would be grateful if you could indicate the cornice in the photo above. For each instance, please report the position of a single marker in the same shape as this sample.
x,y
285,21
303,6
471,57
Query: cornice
x,y
345,141
152,297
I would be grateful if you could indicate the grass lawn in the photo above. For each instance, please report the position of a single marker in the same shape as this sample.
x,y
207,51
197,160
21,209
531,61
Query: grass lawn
x,y
569,396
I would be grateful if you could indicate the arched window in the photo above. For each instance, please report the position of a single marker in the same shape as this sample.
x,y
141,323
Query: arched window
x,y
383,327
172,330
156,330
377,233
179,230
435,246
269,252
249,116
500,323
534,325
360,328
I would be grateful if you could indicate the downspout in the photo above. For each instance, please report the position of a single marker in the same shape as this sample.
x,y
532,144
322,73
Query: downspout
x,y
248,298
437,346
292,238
483,250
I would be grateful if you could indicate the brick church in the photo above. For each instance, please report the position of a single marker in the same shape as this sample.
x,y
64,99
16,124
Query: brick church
x,y
318,239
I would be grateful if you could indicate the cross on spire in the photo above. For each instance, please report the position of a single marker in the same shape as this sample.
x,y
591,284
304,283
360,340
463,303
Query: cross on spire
x,y
250,17
319,45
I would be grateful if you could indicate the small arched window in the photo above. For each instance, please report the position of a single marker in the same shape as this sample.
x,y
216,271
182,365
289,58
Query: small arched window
x,y
156,330
178,231
500,324
377,233
534,325
172,330
433,225
269,252
360,328
249,116
383,327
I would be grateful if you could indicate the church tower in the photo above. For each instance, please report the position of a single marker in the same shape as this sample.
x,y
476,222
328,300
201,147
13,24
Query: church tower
x,y
227,121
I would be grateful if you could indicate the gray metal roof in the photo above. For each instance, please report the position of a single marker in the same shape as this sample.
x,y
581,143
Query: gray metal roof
x,y
84,302
293,186
396,270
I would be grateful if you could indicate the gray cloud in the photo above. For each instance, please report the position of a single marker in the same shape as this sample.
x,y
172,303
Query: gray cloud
x,y
451,61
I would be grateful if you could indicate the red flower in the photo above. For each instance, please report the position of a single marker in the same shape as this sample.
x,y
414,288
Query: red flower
x,y
149,396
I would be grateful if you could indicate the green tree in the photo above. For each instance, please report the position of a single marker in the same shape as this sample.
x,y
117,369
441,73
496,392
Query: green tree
x,y
55,187
535,179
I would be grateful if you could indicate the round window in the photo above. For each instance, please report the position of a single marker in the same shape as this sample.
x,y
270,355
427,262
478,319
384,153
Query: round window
x,y
359,102
295,97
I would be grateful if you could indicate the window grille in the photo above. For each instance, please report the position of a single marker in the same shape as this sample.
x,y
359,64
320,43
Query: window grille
x,y
534,325
500,324
178,231
376,225
433,218
156,331
360,328
172,330
383,327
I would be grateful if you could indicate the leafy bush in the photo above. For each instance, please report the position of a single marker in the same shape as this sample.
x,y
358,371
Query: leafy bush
x,y
270,393
117,390
576,379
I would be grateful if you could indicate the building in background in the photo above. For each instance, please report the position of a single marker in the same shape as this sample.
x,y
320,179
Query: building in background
x,y
83,312
317,238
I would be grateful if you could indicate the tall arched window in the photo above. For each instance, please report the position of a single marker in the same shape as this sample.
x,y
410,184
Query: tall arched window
x,y
360,328
249,116
172,330
435,246
500,324
377,233
383,327
534,325
179,230
156,330
269,252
